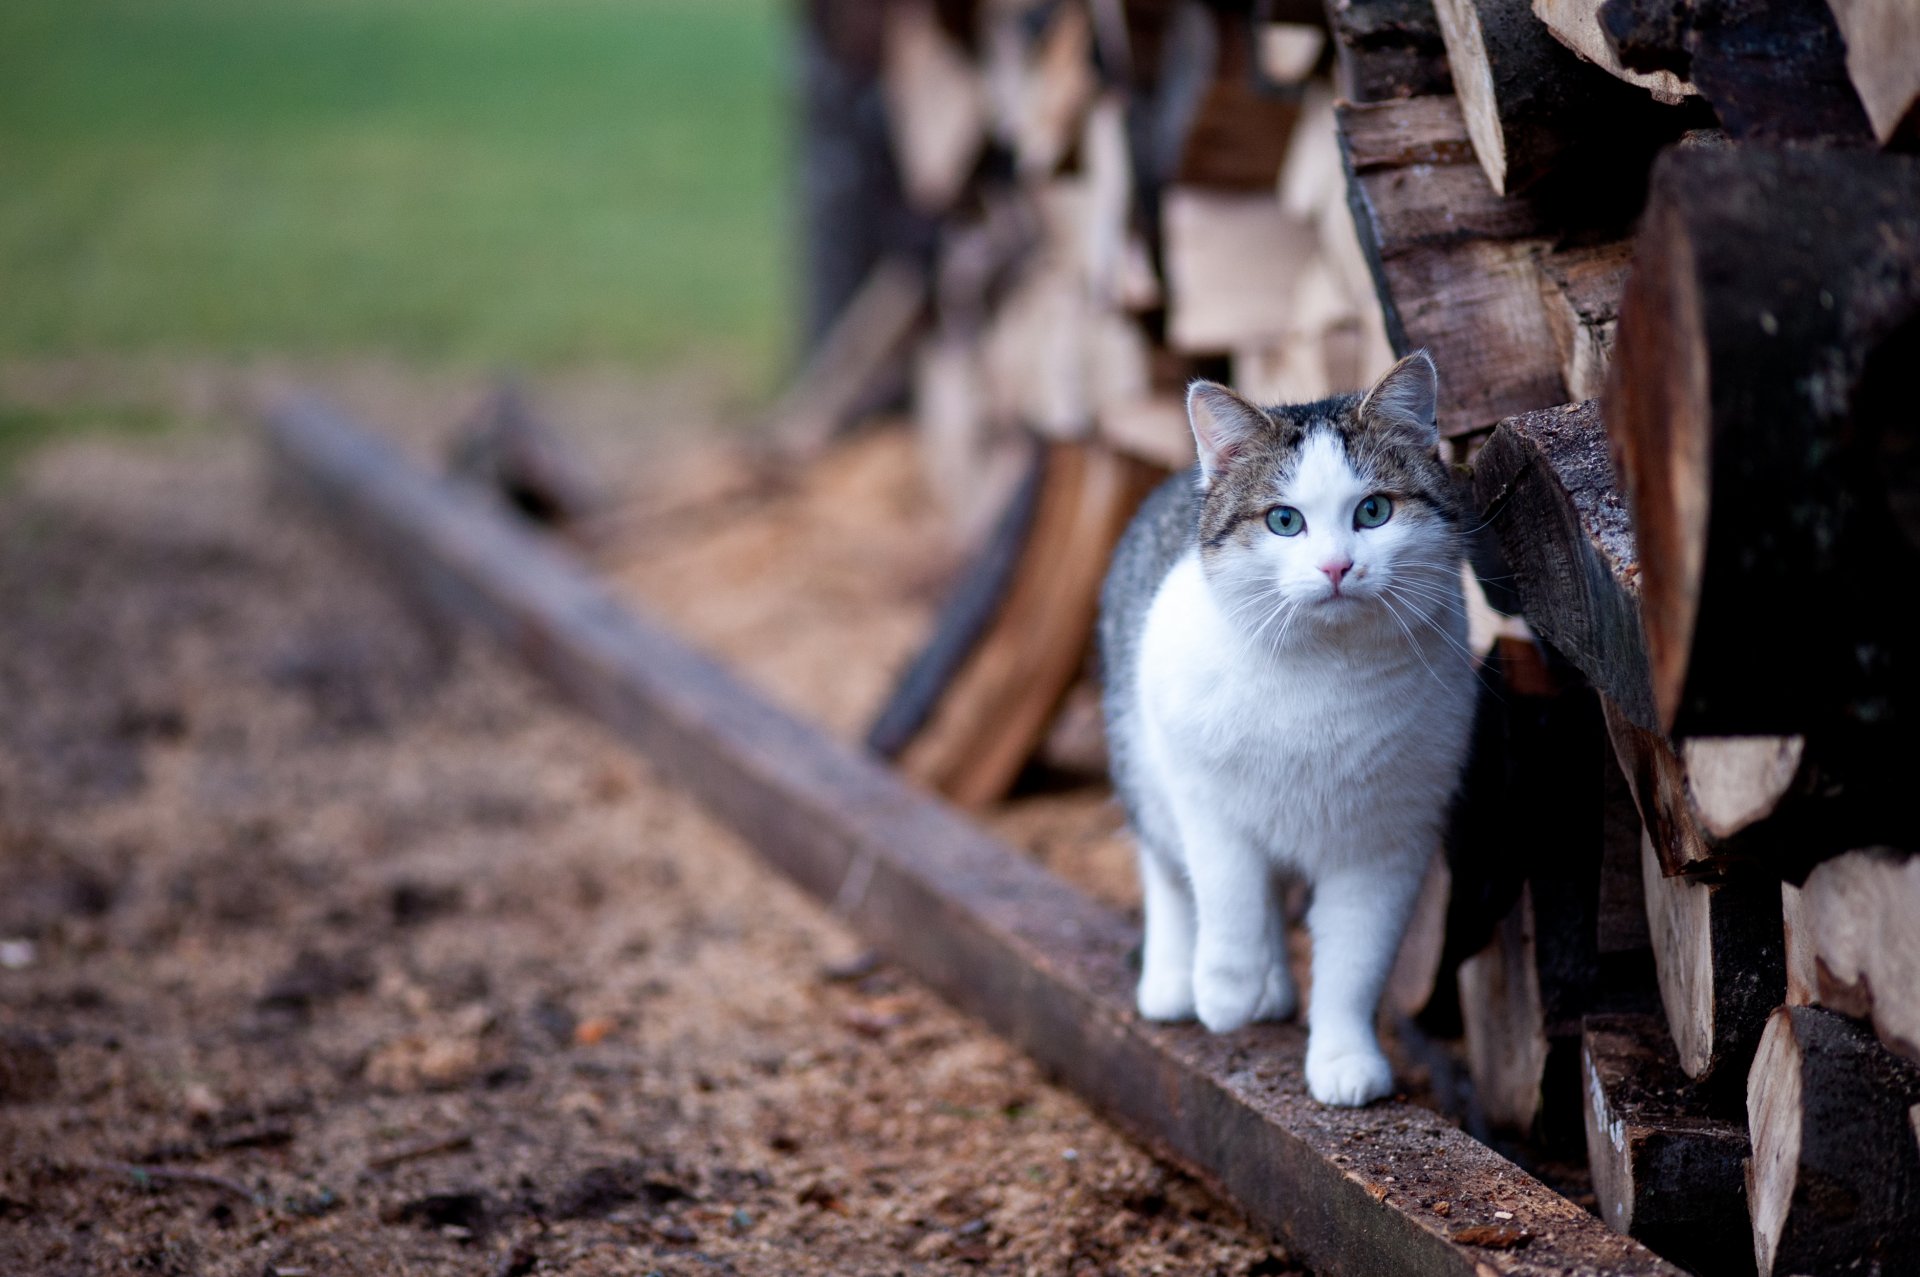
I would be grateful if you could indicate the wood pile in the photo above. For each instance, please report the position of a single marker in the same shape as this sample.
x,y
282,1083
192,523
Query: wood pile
x,y
1666,255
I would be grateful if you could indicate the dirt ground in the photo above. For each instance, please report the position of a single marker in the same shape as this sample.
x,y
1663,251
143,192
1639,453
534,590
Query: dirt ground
x,y
328,945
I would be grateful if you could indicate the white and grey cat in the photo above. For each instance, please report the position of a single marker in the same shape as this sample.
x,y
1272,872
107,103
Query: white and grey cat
x,y
1289,693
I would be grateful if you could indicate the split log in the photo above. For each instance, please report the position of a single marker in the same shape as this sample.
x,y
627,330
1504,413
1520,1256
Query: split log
x,y
1540,777
1545,483
1580,288
1722,965
1237,136
1774,70
1233,261
999,703
1834,1183
1576,24
1860,914
1531,105
1505,1025
1388,49
1665,1169
1883,61
1803,963
934,103
1056,89
1760,410
1452,260
970,608
1719,804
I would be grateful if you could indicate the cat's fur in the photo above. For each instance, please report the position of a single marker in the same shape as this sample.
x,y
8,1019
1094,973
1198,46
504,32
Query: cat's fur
x,y
1261,727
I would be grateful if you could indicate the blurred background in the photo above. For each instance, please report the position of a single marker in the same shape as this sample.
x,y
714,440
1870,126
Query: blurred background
x,y
583,188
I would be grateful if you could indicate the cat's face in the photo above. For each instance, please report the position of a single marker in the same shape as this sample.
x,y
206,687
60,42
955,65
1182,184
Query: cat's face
x,y
1330,513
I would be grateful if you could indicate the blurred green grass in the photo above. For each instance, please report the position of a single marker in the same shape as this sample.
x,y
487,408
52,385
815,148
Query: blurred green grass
x,y
541,183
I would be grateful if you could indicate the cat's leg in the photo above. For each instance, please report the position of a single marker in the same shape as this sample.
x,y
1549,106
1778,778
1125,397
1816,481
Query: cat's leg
x,y
1166,954
1357,918
1281,998
1233,960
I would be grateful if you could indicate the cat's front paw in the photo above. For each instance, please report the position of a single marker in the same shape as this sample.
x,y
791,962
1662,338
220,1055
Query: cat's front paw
x,y
1229,998
1165,996
1349,1078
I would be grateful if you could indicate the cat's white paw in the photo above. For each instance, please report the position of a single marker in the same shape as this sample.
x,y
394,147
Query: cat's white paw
x,y
1228,998
1165,996
1279,1000
1350,1078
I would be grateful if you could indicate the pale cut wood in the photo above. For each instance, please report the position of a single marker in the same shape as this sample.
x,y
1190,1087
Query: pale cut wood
x,y
1119,274
1289,51
1735,782
1506,1032
1833,1186
1576,24
998,705
1580,288
1862,916
1232,264
1665,1168
1056,89
1721,961
1153,429
1803,969
934,104
1883,61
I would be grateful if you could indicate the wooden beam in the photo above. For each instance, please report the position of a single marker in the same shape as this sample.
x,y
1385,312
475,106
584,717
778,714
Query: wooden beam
x,y
1387,49
1348,1191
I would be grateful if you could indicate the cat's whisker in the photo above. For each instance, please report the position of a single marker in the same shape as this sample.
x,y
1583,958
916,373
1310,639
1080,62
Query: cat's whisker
x,y
1413,643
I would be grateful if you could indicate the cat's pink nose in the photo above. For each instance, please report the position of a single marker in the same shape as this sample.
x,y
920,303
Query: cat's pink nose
x,y
1335,570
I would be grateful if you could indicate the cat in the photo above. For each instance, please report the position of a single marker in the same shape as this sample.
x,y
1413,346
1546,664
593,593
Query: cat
x,y
1289,692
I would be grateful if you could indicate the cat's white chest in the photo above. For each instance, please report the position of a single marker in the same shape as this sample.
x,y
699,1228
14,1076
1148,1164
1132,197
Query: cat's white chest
x,y
1309,752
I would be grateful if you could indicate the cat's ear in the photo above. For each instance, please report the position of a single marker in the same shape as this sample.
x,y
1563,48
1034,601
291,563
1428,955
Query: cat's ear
x,y
1223,423
1404,400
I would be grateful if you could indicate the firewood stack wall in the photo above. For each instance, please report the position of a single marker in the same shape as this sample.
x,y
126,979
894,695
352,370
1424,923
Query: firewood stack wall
x,y
1666,255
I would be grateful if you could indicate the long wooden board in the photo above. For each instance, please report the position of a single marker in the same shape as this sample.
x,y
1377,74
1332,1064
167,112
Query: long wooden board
x,y
1350,1192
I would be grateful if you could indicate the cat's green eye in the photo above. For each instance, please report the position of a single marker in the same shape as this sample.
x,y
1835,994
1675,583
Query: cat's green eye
x,y
1285,521
1372,512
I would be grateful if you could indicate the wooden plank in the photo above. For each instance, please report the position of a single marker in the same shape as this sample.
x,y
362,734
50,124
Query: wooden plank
x,y
1348,1191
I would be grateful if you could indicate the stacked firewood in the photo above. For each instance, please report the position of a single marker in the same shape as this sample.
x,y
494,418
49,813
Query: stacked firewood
x,y
1666,254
